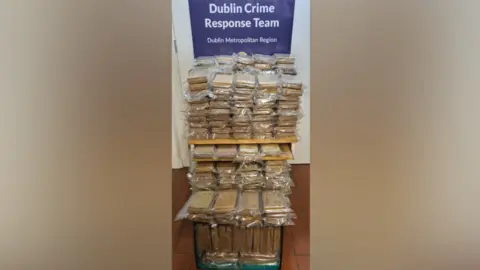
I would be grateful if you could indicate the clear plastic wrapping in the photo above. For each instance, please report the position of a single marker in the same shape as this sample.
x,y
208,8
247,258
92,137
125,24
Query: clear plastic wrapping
x,y
275,202
221,80
248,152
220,104
225,168
201,167
264,62
222,255
267,80
203,151
225,64
198,207
198,133
272,149
204,61
226,151
289,69
242,136
250,213
225,207
243,59
245,80
198,75
283,58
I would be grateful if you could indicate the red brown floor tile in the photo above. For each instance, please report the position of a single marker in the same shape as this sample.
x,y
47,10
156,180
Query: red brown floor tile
x,y
303,262
289,263
185,246
182,261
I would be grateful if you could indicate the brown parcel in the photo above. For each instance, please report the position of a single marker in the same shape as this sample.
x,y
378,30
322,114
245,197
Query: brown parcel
x,y
202,167
204,241
198,87
272,200
225,202
222,238
200,202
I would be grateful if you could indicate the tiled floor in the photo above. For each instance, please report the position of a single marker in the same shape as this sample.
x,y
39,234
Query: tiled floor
x,y
296,246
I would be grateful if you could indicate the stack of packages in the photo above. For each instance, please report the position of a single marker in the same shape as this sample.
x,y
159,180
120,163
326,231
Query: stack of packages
x,y
243,97
196,94
238,228
239,199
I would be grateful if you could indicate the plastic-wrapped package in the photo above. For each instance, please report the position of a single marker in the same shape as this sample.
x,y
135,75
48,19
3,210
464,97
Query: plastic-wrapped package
x,y
279,135
225,207
275,202
198,75
197,112
241,136
198,133
225,168
283,58
267,80
204,151
250,213
288,105
219,115
215,136
262,126
196,119
222,255
244,59
289,69
265,101
286,123
264,62
263,136
249,167
241,97
203,239
283,132
222,91
248,152
293,82
201,167
220,80
201,177
245,80
285,129
263,118
220,104
222,130
271,149
226,151
203,106
244,91
268,93
196,95
198,207
284,219
251,180
241,111
224,60
198,87
203,181
243,104
241,118
219,123
241,129
204,61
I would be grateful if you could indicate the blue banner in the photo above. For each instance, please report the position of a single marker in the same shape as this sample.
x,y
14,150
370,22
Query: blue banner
x,y
223,27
